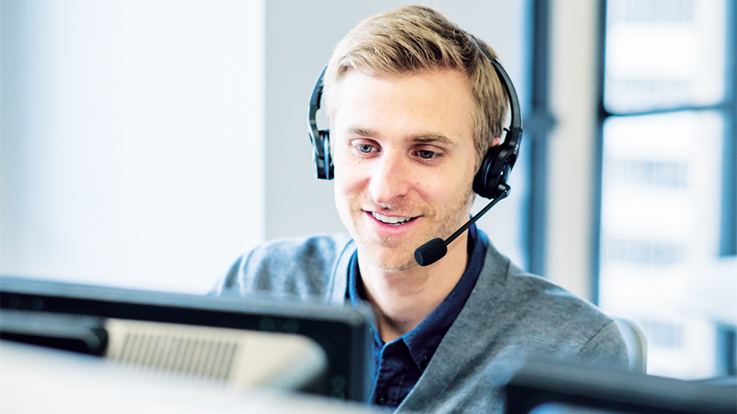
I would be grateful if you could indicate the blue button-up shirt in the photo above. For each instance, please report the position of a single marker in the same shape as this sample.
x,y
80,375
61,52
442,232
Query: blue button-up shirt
x,y
399,364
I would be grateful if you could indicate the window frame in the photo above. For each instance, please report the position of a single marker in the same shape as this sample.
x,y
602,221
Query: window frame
x,y
538,124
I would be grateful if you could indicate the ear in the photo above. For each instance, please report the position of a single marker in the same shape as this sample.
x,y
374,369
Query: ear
x,y
496,141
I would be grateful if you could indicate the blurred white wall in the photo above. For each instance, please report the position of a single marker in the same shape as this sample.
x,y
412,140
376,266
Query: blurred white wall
x,y
132,139
147,144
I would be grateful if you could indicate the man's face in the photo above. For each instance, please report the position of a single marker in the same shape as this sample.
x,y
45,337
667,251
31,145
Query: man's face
x,y
404,161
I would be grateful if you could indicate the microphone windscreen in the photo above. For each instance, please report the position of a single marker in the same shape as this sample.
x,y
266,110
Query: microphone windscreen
x,y
430,252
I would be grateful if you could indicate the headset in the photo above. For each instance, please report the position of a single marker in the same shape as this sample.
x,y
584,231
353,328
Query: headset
x,y
491,179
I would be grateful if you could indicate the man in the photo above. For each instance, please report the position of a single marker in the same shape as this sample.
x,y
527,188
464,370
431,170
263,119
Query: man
x,y
414,104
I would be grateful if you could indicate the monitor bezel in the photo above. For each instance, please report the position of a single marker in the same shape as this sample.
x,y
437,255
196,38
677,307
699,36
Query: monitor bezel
x,y
344,333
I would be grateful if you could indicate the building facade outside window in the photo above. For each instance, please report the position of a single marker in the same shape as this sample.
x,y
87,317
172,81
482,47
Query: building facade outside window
x,y
667,229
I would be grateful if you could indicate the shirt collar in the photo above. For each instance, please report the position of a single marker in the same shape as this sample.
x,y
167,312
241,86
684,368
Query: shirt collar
x,y
424,339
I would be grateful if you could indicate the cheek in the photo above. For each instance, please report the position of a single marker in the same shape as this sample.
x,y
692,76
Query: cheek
x,y
348,175
452,198
447,187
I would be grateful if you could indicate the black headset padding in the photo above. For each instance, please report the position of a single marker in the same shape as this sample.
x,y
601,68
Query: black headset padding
x,y
491,179
320,139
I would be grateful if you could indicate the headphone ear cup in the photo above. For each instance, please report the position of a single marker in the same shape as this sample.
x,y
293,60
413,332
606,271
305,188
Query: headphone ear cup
x,y
322,161
328,162
486,180
320,138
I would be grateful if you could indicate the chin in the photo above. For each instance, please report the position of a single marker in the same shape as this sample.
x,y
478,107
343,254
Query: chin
x,y
389,263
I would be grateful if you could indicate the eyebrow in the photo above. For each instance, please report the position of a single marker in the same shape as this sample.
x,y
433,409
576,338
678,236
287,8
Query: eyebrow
x,y
422,138
425,138
364,132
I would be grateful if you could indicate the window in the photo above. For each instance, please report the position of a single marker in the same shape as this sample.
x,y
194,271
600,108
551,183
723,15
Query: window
x,y
667,229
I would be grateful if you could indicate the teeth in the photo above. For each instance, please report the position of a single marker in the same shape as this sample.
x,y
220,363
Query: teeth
x,y
391,220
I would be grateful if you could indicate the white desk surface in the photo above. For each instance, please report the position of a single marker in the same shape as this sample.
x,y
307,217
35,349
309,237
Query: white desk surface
x,y
38,380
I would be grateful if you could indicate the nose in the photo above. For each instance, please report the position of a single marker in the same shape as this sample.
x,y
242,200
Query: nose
x,y
390,179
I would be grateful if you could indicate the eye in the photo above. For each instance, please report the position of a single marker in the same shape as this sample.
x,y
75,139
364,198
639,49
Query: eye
x,y
365,148
425,154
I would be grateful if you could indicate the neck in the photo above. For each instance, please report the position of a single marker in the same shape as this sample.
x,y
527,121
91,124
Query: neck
x,y
403,299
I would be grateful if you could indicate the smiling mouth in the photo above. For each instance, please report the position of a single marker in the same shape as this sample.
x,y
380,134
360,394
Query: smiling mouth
x,y
392,221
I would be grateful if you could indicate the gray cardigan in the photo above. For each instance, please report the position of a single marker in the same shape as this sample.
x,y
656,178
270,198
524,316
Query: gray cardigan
x,y
510,315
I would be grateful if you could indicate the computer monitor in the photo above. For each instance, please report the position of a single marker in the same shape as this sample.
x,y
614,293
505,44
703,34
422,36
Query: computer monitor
x,y
544,387
197,335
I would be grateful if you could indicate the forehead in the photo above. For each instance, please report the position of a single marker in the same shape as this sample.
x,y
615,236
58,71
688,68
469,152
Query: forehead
x,y
437,101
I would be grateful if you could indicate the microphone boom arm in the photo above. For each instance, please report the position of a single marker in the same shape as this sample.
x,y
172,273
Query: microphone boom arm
x,y
483,211
435,249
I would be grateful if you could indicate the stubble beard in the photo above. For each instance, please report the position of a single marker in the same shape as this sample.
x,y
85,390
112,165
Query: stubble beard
x,y
396,254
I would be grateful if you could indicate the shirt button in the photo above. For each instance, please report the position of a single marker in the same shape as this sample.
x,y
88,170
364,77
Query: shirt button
x,y
381,399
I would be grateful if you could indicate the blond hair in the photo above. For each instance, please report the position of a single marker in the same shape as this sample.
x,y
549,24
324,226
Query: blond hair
x,y
411,39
